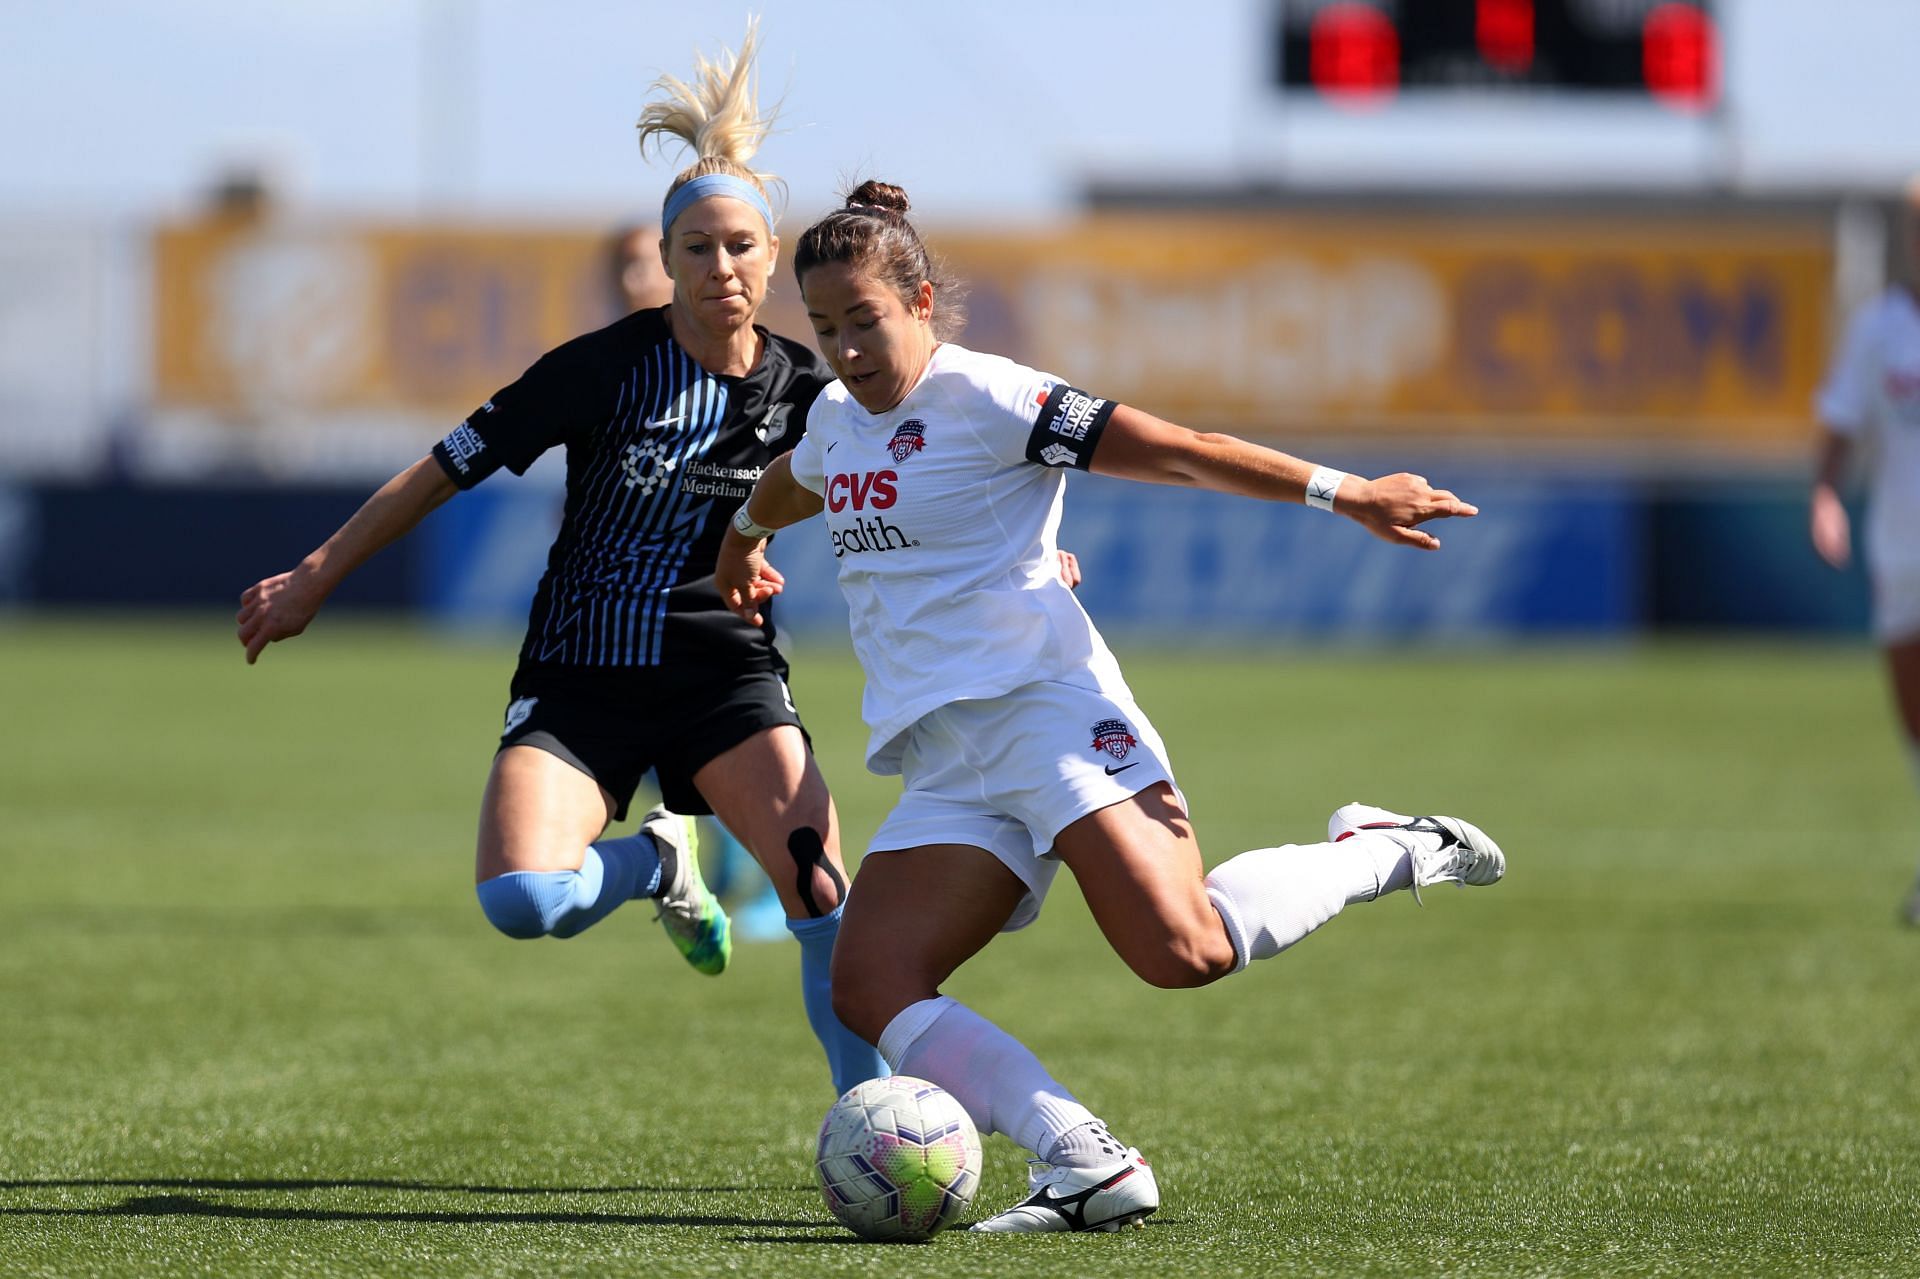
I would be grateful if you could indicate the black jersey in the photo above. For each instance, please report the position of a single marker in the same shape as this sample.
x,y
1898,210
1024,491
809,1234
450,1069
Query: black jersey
x,y
660,453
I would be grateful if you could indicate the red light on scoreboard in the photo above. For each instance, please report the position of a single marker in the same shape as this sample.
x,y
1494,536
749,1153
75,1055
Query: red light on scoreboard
x,y
1681,57
1366,53
1503,32
1355,53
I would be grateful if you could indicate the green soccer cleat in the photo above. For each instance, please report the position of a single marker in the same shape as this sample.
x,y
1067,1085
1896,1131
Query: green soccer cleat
x,y
691,915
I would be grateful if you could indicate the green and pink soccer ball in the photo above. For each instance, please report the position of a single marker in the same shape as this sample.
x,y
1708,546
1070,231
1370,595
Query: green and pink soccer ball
x,y
898,1159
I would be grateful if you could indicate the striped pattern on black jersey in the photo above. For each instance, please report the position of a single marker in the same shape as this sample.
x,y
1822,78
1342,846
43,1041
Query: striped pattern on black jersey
x,y
659,454
606,592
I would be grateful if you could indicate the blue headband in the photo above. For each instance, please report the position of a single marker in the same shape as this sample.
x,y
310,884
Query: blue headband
x,y
715,184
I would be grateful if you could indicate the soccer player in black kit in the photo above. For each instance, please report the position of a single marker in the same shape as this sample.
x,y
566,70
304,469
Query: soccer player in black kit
x,y
631,661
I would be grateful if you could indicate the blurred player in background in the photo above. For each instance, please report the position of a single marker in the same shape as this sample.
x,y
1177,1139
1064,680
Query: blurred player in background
x,y
992,695
631,662
638,282
1871,404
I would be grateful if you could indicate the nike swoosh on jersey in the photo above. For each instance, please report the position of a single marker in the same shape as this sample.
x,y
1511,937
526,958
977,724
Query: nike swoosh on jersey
x,y
1111,770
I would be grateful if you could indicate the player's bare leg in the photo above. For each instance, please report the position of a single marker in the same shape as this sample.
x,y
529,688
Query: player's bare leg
x,y
1138,866
1175,925
538,813
915,917
768,791
541,869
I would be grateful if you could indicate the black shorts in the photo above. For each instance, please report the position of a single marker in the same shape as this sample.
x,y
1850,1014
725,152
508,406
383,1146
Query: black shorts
x,y
615,723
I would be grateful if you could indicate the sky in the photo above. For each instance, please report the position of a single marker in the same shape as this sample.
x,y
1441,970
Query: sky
x,y
989,111
405,104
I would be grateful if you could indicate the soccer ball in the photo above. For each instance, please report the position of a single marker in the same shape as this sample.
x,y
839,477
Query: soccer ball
x,y
898,1159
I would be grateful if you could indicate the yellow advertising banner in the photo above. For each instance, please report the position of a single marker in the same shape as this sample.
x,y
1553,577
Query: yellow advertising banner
x,y
256,319
1520,328
1523,328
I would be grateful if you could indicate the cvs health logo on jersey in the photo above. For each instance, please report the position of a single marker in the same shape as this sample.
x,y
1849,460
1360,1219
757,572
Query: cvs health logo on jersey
x,y
865,491
871,488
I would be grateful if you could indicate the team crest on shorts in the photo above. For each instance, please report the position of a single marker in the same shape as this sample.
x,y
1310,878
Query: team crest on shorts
x,y
908,438
1113,737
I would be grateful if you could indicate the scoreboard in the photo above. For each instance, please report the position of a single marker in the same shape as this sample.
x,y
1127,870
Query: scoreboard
x,y
1363,53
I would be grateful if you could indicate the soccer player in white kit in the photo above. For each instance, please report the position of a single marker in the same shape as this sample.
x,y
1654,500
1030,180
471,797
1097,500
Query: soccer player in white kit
x,y
1872,401
992,695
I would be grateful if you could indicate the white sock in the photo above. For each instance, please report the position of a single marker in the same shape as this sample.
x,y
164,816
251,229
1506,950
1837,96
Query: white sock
x,y
1271,898
1002,1085
906,1027
1087,1146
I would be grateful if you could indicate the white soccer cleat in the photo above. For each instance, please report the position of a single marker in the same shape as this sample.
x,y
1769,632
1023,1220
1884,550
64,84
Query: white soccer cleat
x,y
692,916
1458,852
1106,1197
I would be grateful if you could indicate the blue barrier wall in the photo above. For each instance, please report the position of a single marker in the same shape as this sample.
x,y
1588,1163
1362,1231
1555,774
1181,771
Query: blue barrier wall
x,y
1199,566
184,546
1738,556
482,553
1549,556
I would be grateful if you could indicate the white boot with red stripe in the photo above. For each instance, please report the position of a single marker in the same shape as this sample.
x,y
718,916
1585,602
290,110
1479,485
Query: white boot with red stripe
x,y
1440,850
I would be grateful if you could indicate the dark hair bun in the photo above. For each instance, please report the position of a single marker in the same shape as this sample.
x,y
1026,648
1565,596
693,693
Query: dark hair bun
x,y
878,195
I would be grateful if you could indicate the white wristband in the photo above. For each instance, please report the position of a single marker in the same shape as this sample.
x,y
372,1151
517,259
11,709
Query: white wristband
x,y
1322,485
744,525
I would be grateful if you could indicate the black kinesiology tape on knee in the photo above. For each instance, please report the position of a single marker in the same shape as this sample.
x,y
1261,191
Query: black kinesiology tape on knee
x,y
809,852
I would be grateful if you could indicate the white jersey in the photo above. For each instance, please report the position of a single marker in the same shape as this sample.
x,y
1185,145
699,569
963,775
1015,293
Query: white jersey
x,y
1873,396
943,512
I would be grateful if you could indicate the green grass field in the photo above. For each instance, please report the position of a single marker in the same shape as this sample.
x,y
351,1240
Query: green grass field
x,y
252,1022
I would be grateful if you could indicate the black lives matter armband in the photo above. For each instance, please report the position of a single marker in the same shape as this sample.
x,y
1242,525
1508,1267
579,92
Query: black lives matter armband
x,y
464,455
1068,429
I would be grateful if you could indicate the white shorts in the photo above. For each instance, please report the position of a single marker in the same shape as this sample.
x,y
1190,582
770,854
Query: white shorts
x,y
1009,773
1896,603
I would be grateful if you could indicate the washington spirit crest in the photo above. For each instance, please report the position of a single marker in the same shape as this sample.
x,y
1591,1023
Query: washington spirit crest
x,y
1113,737
908,438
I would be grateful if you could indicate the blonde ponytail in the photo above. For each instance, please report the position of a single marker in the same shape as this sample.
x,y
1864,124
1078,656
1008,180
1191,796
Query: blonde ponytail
x,y
717,116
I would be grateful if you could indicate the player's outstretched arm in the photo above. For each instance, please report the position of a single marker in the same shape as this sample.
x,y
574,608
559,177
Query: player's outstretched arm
x,y
282,606
1139,446
741,573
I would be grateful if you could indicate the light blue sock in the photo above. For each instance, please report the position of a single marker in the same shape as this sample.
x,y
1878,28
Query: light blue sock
x,y
563,903
852,1059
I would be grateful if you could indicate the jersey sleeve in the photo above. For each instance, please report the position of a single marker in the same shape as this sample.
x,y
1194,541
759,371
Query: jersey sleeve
x,y
807,462
1067,429
545,407
1844,399
1041,419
